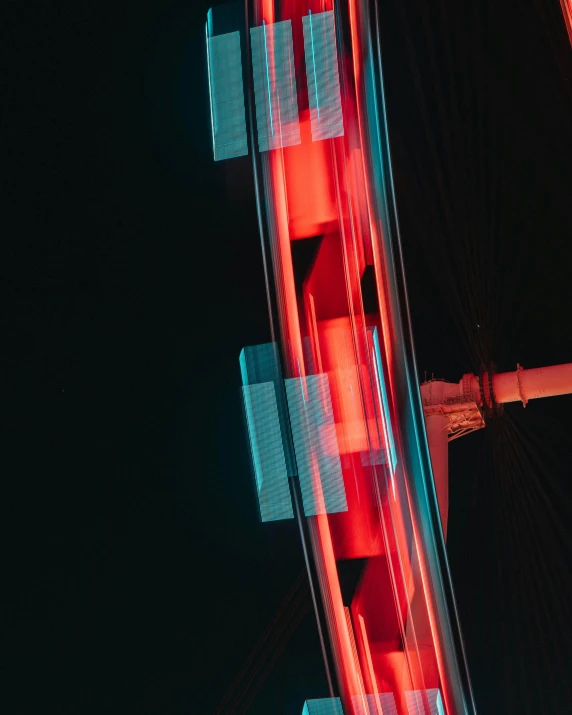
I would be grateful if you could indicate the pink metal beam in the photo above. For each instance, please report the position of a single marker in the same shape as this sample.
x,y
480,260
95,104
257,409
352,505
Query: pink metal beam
x,y
520,385
524,385
453,409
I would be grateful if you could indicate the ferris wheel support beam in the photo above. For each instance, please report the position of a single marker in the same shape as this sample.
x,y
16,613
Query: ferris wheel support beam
x,y
454,409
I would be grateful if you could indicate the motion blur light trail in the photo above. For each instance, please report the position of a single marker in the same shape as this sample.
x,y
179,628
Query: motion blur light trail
x,y
394,630
226,95
274,86
567,12
352,447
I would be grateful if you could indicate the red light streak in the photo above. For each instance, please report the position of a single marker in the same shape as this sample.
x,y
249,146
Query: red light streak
x,y
567,12
323,191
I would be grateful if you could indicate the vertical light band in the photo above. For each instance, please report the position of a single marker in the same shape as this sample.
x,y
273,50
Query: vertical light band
x,y
226,96
325,706
267,452
416,705
326,118
261,363
316,445
383,400
376,704
268,431
275,96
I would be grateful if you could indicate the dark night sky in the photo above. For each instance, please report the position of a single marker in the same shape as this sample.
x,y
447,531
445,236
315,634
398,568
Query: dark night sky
x,y
135,575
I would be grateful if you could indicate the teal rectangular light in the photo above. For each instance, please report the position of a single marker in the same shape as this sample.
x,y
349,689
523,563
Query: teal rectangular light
x,y
316,445
267,452
268,429
277,120
226,96
326,118
323,706
417,699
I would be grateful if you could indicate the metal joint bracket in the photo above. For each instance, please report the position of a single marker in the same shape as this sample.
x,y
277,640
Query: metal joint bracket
x,y
520,369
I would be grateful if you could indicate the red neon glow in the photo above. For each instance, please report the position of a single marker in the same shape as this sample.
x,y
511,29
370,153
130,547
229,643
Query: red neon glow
x,y
386,638
567,12
334,266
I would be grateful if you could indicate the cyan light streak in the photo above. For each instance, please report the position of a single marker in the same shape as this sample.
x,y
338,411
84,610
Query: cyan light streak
x,y
267,452
268,429
384,425
301,382
259,364
384,404
268,78
314,63
438,587
316,445
274,78
324,98
264,430
226,93
416,702
210,83
324,706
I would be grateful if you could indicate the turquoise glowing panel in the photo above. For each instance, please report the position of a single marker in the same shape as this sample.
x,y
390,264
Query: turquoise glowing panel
x,y
380,704
275,96
261,363
325,706
326,118
267,452
226,96
316,445
383,401
416,703
435,701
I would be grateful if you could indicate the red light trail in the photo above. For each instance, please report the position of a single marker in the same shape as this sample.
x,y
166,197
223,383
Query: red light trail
x,y
338,307
567,12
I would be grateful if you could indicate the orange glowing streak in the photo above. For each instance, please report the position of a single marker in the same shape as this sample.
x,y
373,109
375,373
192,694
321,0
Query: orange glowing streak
x,y
322,538
286,287
289,299
311,199
349,682
365,641
375,239
321,535
425,579
319,525
567,12
267,7
380,263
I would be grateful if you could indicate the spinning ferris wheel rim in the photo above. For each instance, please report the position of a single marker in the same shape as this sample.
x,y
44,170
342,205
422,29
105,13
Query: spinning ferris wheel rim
x,y
320,149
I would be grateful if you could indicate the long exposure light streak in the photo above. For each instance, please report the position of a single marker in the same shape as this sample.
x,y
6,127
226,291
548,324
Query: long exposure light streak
x,y
226,94
268,78
361,373
566,6
322,73
316,445
340,433
314,63
274,86
334,413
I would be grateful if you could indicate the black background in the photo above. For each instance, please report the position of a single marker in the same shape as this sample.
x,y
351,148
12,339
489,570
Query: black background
x,y
135,575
